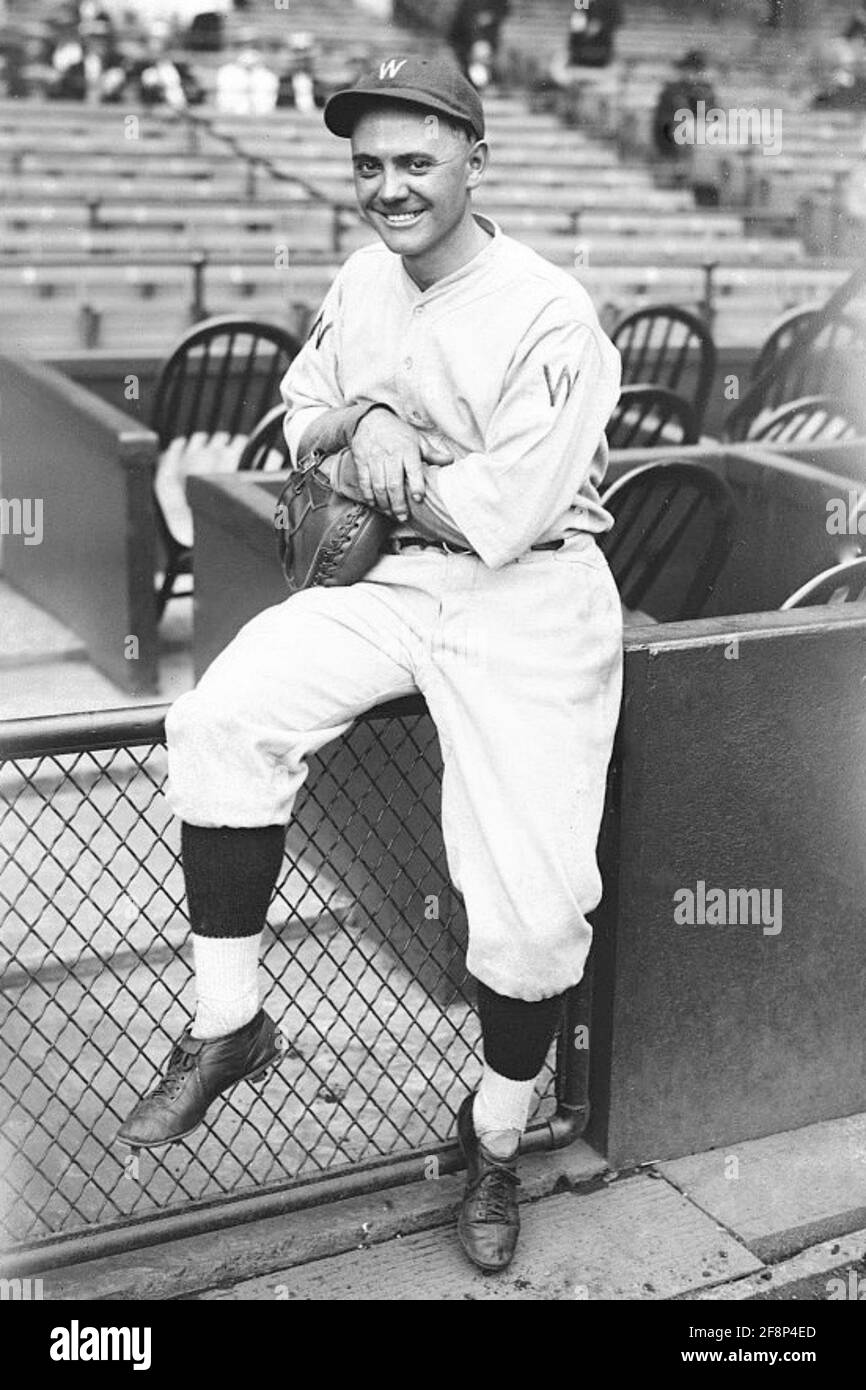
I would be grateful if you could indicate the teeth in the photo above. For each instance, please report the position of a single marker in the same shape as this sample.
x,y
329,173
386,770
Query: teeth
x,y
401,218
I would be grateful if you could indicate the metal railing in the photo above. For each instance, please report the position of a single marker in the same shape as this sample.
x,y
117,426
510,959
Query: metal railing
x,y
366,980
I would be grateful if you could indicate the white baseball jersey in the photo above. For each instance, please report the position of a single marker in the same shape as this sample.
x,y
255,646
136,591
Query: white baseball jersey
x,y
520,663
503,361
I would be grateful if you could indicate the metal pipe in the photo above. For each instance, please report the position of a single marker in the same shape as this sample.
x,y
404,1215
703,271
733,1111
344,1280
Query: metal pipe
x,y
709,300
198,265
199,1219
81,733
131,726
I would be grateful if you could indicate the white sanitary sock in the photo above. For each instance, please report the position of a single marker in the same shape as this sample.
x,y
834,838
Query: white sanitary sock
x,y
500,1112
226,983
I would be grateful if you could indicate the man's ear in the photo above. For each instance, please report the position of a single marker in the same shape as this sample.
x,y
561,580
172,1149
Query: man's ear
x,y
476,163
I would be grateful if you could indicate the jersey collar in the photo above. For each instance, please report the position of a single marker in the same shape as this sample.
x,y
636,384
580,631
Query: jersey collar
x,y
478,262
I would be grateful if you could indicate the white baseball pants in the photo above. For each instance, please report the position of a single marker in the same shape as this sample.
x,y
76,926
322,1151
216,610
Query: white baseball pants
x,y
521,669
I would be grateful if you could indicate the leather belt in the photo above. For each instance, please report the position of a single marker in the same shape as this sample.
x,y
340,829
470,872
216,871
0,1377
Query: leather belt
x,y
396,544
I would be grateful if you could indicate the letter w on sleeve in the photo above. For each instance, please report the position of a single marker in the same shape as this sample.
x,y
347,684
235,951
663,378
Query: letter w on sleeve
x,y
544,441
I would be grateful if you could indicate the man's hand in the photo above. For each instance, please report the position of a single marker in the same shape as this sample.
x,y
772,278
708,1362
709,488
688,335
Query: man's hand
x,y
388,456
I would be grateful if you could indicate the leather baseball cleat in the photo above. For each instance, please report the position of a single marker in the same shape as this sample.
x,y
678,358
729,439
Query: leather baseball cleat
x,y
489,1221
198,1070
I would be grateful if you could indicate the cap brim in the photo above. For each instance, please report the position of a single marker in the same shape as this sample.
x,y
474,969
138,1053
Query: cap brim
x,y
343,108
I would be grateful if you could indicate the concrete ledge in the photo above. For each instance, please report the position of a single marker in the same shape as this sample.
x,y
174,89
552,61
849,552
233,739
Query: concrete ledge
x,y
783,1193
822,1272
633,1239
183,1267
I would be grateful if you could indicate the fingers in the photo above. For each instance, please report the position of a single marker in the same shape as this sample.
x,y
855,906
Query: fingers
x,y
414,475
362,468
390,467
434,453
387,484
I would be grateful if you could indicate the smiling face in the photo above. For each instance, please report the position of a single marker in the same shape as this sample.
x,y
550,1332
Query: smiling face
x,y
414,173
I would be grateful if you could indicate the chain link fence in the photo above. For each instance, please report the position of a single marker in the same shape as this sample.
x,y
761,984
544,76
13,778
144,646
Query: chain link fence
x,y
362,967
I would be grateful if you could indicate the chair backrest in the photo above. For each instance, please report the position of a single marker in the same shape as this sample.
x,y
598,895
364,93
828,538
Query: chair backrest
x,y
790,328
223,376
811,419
649,417
657,344
825,355
673,529
267,445
845,583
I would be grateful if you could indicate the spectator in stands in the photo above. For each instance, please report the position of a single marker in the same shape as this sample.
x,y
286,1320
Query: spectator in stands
x,y
856,28
13,79
88,66
854,204
160,79
474,36
691,83
298,85
592,32
246,86
843,67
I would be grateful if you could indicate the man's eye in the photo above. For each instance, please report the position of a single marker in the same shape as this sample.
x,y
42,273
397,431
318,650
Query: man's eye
x,y
365,167
419,166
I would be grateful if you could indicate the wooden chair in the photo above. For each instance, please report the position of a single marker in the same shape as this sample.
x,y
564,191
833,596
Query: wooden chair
x,y
267,441
813,419
648,417
845,583
818,355
673,529
657,343
788,329
217,384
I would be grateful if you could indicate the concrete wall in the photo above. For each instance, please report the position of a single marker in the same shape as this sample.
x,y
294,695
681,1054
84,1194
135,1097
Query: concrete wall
x,y
743,771
91,468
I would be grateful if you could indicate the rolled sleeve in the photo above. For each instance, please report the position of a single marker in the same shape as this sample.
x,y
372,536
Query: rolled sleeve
x,y
540,443
312,384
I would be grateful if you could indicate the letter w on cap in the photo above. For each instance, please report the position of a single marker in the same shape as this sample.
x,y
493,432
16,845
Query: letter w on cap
x,y
390,67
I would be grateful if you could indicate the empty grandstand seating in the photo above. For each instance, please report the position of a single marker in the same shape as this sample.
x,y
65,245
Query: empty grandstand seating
x,y
104,208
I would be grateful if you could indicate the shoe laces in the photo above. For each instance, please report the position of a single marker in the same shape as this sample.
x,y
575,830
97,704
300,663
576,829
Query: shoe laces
x,y
180,1063
494,1191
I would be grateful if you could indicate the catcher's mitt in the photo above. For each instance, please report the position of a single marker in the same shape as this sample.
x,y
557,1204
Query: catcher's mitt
x,y
323,538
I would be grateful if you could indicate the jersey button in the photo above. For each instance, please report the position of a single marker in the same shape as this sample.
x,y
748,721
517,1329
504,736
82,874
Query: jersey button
x,y
407,363
419,308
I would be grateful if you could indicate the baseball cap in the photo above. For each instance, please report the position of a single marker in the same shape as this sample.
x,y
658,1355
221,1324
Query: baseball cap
x,y
435,83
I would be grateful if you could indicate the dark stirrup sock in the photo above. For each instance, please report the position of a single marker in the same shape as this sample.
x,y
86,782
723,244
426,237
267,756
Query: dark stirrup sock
x,y
230,876
516,1033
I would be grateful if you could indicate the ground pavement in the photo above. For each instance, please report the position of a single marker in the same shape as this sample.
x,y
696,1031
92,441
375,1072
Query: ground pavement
x,y
782,1217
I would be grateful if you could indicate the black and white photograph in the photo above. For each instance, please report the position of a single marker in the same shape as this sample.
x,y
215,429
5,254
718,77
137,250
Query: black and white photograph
x,y
433,669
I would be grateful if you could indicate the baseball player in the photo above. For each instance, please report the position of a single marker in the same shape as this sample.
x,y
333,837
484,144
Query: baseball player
x,y
460,383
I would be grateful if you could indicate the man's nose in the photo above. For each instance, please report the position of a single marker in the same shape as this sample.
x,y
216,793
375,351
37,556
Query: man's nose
x,y
393,188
